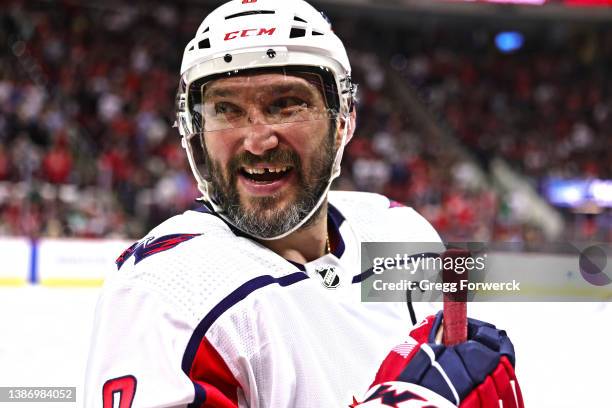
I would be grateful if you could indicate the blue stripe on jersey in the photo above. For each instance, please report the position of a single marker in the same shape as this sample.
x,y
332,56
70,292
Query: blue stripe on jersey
x,y
363,276
336,219
300,266
200,396
230,300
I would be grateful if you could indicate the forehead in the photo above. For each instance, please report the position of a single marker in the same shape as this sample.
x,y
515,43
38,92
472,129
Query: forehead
x,y
274,83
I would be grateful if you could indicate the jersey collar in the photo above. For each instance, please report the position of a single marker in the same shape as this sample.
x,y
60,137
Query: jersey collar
x,y
335,219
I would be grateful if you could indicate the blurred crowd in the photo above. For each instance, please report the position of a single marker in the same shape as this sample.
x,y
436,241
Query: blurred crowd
x,y
86,104
86,108
395,154
547,108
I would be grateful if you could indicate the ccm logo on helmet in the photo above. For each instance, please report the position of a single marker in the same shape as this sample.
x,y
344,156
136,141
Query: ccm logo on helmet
x,y
249,32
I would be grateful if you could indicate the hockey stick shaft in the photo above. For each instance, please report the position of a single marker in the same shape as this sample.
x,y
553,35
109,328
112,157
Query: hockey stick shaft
x,y
455,303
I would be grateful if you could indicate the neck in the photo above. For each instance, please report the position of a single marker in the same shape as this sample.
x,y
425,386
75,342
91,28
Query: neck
x,y
305,244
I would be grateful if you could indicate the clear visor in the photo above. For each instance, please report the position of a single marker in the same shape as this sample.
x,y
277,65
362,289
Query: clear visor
x,y
271,96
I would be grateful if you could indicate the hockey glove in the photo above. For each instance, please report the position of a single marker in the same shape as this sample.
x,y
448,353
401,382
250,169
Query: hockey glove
x,y
478,373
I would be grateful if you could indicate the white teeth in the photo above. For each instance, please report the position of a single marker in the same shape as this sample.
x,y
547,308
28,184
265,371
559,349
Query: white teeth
x,y
262,171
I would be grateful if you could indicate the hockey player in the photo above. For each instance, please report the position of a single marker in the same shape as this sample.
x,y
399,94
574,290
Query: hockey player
x,y
253,300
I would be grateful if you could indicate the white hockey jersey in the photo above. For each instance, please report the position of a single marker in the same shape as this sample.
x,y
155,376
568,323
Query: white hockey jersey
x,y
200,316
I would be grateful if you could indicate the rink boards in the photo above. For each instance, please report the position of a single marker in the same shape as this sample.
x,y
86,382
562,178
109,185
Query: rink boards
x,y
85,262
57,262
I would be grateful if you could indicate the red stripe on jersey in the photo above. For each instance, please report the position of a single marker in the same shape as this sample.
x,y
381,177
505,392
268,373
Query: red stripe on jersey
x,y
211,373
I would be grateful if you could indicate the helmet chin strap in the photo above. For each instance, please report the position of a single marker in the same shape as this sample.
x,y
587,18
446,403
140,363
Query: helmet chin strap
x,y
204,186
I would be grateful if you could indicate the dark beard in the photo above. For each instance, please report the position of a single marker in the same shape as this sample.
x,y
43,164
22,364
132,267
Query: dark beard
x,y
264,220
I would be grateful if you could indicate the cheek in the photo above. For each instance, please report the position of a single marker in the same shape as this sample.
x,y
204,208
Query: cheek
x,y
219,146
308,138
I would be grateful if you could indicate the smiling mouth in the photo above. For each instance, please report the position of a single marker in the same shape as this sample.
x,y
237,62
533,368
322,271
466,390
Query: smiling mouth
x,y
265,175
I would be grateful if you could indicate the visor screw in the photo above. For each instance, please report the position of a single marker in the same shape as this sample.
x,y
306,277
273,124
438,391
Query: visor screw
x,y
271,53
227,58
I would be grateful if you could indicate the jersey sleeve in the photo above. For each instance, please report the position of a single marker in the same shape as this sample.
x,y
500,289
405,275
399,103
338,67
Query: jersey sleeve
x,y
137,347
135,352
414,224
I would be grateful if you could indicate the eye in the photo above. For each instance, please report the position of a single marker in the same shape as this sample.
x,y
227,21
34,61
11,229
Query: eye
x,y
227,109
288,105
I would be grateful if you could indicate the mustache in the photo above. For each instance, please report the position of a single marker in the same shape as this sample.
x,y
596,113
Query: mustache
x,y
279,157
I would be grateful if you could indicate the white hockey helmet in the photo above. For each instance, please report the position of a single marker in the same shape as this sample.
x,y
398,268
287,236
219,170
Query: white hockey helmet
x,y
255,35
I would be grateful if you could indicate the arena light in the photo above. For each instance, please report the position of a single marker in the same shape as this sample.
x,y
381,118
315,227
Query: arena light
x,y
576,192
509,41
601,191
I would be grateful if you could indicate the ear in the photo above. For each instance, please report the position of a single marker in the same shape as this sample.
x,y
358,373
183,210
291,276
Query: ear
x,y
350,123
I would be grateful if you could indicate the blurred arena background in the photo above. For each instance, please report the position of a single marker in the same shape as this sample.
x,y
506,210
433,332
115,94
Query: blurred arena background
x,y
493,119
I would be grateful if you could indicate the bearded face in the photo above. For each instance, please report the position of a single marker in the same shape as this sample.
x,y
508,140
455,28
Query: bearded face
x,y
268,153
271,215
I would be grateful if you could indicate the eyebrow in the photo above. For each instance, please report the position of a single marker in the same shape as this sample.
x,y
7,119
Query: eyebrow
x,y
220,92
277,89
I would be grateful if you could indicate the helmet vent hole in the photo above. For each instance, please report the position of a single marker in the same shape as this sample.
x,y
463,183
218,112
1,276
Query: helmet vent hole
x,y
297,32
249,13
316,33
205,43
205,30
301,20
191,48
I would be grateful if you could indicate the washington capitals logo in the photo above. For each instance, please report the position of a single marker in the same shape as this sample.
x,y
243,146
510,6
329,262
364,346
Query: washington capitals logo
x,y
330,277
151,245
389,398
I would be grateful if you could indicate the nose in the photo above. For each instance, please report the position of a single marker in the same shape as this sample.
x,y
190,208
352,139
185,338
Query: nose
x,y
260,137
